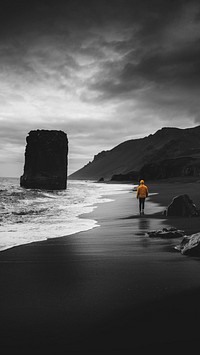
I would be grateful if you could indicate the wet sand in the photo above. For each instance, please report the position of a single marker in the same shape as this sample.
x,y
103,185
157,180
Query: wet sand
x,y
108,289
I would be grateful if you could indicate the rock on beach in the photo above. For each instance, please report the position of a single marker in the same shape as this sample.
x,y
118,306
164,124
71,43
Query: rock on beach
x,y
190,245
182,206
166,233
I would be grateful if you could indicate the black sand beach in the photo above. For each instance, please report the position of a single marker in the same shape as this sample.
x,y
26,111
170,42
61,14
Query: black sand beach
x,y
108,289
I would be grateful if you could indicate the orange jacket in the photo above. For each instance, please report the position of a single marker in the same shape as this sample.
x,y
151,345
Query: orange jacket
x,y
142,191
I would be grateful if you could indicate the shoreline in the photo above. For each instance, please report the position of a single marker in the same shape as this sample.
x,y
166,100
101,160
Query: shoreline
x,y
109,288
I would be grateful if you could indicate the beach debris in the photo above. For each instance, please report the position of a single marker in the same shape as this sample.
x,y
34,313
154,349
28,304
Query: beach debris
x,y
182,206
190,245
166,233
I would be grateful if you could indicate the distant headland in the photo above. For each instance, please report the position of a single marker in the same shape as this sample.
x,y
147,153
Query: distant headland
x,y
168,153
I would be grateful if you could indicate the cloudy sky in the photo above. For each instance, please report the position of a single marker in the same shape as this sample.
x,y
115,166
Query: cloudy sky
x,y
102,71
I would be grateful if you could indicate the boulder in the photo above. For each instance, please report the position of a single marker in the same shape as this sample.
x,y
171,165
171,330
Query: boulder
x,y
45,160
190,245
182,206
166,233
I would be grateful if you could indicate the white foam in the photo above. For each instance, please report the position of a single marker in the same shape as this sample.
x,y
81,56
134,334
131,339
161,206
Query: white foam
x,y
32,215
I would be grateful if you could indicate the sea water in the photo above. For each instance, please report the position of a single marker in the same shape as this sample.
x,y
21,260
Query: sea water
x,y
29,215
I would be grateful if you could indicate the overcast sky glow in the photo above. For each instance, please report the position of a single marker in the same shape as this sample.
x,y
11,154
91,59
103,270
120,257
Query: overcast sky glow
x,y
102,71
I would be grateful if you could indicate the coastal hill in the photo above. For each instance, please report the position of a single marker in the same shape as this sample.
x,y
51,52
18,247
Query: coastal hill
x,y
167,153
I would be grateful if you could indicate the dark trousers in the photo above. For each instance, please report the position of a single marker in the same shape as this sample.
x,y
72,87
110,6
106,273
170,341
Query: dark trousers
x,y
141,203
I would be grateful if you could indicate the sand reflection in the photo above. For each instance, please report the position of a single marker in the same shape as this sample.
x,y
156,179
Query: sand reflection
x,y
144,224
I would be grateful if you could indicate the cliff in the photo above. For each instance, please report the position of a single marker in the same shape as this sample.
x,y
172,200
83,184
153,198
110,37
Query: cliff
x,y
45,160
168,152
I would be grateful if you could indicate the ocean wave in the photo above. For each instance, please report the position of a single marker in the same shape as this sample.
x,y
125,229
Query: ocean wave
x,y
32,215
29,212
2,191
22,194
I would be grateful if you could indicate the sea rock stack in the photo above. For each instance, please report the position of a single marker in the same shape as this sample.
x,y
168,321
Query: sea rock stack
x,y
45,160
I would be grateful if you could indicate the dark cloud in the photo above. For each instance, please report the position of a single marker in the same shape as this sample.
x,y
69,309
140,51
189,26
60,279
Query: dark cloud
x,y
47,15
161,60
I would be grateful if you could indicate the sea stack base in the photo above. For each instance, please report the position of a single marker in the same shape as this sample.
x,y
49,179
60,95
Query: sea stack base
x,y
45,160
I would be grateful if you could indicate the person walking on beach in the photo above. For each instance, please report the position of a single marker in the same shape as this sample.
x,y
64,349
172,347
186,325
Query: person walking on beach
x,y
142,193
